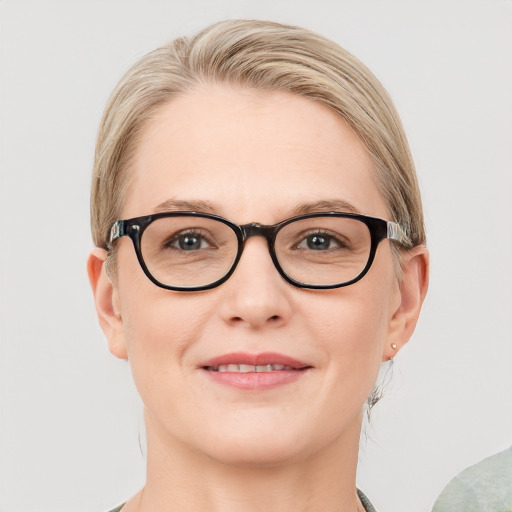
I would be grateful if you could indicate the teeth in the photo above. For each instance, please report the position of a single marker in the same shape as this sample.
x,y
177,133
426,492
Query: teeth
x,y
249,368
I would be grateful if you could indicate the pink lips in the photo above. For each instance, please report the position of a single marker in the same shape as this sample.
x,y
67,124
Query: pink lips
x,y
270,370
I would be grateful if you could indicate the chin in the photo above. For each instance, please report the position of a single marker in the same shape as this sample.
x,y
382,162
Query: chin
x,y
262,444
255,453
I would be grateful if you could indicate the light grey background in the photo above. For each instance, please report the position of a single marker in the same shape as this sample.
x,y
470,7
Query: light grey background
x,y
70,419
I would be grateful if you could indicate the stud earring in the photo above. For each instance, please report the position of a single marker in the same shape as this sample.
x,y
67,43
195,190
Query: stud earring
x,y
393,346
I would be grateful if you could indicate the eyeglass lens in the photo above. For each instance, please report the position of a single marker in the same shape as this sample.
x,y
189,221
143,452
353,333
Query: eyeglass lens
x,y
190,251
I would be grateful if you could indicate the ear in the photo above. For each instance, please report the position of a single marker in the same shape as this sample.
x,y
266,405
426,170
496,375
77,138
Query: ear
x,y
106,298
412,290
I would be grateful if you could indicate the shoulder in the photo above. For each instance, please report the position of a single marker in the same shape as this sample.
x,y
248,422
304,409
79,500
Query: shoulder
x,y
117,509
365,501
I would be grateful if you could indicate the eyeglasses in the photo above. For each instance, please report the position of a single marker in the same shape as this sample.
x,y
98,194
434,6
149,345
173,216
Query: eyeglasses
x,y
191,251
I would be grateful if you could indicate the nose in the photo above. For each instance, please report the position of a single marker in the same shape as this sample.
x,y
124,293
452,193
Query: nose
x,y
256,295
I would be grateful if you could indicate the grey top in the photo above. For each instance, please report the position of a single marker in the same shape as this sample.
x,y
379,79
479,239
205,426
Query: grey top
x,y
364,500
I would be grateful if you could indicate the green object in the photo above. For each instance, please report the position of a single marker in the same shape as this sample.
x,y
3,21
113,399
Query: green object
x,y
484,487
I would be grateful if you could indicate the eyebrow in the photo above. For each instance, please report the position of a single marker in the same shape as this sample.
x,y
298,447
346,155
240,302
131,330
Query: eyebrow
x,y
333,205
337,205
175,205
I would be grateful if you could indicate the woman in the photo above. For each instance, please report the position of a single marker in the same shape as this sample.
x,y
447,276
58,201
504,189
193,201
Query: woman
x,y
254,358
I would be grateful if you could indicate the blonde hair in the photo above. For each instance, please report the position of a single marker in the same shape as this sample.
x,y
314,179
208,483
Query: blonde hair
x,y
261,55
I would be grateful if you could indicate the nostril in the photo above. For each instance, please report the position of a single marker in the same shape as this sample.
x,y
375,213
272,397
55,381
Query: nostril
x,y
274,317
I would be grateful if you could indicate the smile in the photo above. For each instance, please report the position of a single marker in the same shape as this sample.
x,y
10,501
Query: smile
x,y
250,368
254,372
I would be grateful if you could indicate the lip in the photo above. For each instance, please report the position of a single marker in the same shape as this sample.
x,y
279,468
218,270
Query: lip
x,y
255,381
255,360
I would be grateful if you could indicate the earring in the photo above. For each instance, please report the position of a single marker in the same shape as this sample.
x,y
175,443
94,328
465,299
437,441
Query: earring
x,y
393,346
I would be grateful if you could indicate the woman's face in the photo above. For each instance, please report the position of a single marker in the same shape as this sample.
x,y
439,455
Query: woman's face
x,y
252,156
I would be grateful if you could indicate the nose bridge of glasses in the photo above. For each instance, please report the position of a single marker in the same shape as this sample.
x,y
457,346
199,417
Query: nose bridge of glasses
x,y
255,229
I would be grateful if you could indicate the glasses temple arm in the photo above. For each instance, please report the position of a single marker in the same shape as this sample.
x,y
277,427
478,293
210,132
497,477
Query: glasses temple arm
x,y
396,232
116,231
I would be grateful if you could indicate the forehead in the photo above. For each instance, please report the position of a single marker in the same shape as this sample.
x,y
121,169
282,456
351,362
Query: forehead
x,y
253,155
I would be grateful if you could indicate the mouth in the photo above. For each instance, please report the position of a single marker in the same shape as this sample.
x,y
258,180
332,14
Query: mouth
x,y
250,368
254,372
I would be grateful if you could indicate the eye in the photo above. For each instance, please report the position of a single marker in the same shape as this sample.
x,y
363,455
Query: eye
x,y
319,242
188,241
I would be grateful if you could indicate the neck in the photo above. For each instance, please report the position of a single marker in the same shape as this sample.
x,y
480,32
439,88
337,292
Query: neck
x,y
182,479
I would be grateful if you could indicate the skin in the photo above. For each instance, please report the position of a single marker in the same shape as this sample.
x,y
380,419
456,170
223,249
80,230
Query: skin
x,y
254,156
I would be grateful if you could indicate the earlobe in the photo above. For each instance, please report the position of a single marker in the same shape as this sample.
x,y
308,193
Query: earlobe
x,y
412,290
106,299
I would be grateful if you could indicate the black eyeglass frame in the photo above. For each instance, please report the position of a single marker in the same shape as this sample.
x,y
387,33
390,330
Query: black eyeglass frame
x,y
134,228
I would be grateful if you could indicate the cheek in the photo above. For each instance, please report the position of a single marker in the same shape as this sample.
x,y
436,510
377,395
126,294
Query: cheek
x,y
351,320
353,336
351,328
158,339
159,326
155,320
